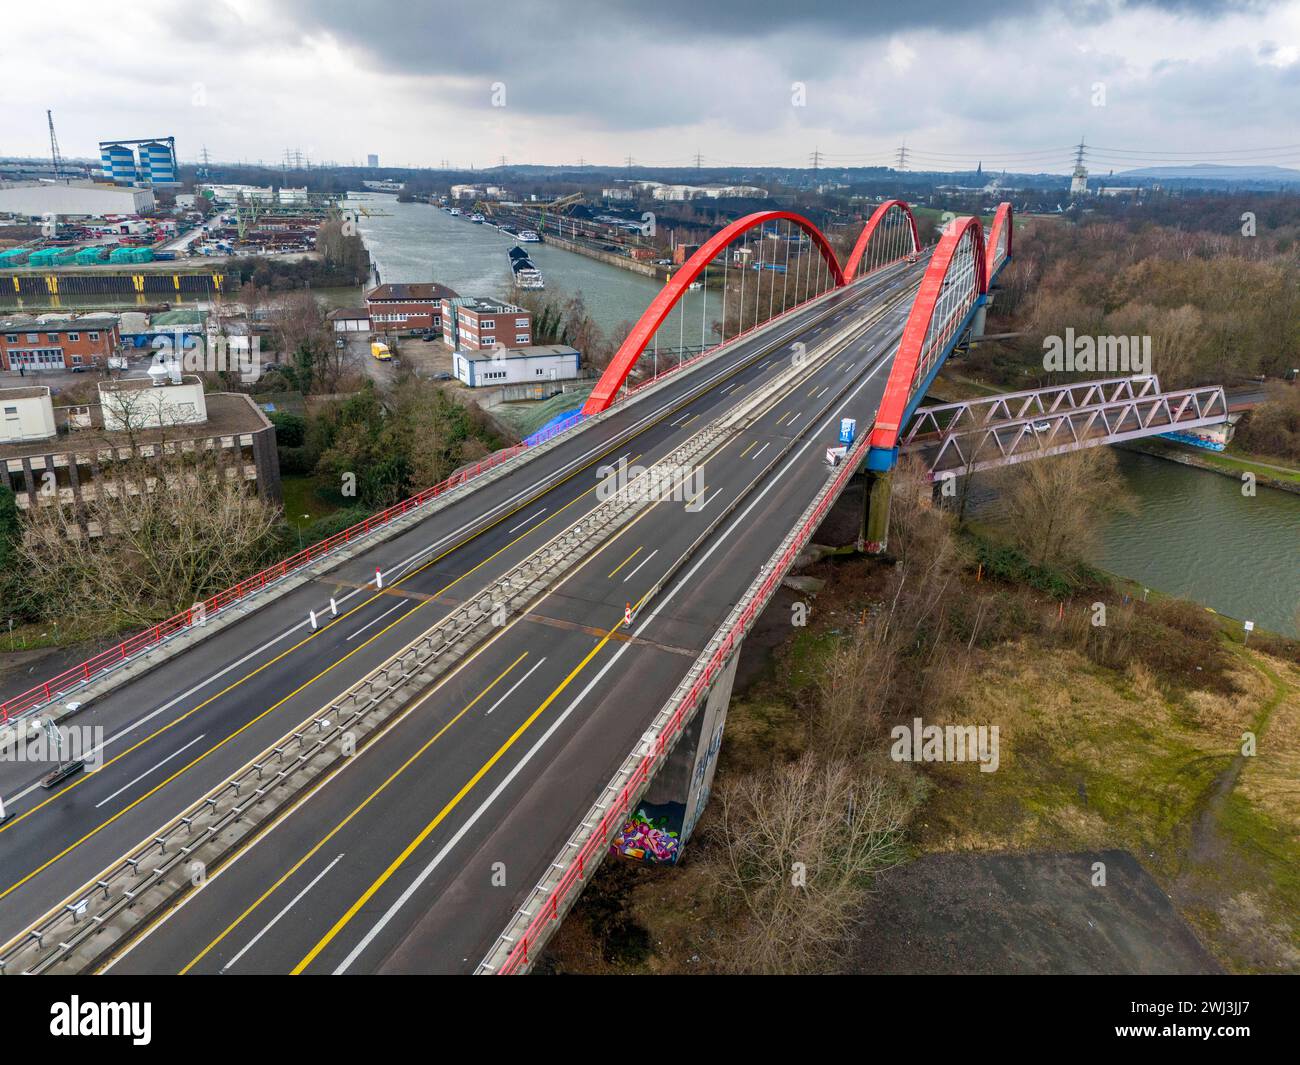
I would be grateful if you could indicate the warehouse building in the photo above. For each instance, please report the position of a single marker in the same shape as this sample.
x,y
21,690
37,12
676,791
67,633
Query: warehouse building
x,y
36,199
31,344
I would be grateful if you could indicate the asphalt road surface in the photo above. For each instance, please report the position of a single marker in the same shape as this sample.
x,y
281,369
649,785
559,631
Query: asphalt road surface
x,y
414,855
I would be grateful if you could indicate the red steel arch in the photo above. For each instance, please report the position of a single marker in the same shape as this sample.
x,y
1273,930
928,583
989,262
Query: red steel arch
x,y
868,231
911,348
1002,230
630,350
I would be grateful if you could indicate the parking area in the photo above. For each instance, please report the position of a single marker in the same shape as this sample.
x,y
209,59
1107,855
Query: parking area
x,y
430,359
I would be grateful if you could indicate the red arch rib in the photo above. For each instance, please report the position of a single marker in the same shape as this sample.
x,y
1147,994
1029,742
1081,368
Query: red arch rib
x,y
660,307
1003,220
898,389
864,238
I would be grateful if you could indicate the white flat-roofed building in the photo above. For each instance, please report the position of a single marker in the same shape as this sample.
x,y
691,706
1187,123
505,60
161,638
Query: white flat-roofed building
x,y
144,404
73,199
26,414
538,363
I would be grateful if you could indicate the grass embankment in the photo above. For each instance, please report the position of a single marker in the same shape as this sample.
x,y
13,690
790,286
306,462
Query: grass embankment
x,y
1233,462
1127,735
306,499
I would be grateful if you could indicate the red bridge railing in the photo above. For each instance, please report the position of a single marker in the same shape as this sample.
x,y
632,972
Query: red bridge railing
x,y
592,851
81,674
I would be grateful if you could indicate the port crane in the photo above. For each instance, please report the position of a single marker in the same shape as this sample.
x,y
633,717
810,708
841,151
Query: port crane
x,y
55,158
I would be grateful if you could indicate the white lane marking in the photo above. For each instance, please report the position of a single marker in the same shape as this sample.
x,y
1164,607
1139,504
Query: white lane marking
x,y
292,903
516,684
527,521
460,833
640,564
377,620
496,792
822,392
159,765
705,504
761,450
393,571
703,387
797,416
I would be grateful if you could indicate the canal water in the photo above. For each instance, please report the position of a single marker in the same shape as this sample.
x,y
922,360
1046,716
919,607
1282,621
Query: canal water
x,y
420,242
1193,533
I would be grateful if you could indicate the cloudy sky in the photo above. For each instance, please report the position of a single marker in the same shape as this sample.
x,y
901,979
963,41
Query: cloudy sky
x,y
739,81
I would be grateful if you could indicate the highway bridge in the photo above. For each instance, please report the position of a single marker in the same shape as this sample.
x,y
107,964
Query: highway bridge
x,y
406,750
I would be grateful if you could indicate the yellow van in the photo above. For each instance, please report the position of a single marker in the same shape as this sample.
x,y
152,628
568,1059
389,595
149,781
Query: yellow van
x,y
380,351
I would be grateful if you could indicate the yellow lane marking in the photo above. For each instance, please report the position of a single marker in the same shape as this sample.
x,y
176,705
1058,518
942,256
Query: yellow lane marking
x,y
428,829
747,450
361,806
611,634
332,666
626,561
248,724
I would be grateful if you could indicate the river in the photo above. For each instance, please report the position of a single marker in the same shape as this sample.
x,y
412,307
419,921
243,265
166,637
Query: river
x,y
419,242
1193,534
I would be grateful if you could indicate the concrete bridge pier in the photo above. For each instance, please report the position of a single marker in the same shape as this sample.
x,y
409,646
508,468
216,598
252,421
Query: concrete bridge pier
x,y
671,807
873,534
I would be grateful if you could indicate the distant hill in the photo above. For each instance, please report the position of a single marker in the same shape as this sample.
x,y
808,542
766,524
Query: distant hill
x,y
1215,172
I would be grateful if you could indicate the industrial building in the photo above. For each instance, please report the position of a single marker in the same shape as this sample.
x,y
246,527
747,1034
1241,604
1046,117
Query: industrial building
x,y
349,320
26,414
32,344
542,363
75,199
149,162
234,193
680,193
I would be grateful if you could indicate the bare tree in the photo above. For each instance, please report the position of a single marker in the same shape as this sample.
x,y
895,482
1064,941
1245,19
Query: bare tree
x,y
171,533
801,845
1051,505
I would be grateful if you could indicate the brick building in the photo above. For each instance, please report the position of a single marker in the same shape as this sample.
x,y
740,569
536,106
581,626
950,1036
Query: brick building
x,y
28,344
471,324
401,308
